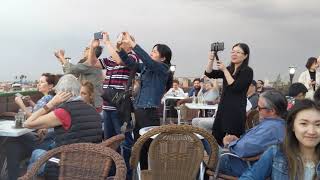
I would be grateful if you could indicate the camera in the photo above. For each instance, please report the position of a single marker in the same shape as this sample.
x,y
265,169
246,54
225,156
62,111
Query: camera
x,y
98,35
217,46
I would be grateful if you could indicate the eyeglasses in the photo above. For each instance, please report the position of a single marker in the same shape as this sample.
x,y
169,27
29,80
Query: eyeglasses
x,y
236,52
261,108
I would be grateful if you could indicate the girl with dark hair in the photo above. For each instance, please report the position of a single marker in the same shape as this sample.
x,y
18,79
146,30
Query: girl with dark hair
x,y
310,78
154,71
299,156
231,114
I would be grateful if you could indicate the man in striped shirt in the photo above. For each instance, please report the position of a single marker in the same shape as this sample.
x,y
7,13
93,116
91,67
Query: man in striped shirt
x,y
117,75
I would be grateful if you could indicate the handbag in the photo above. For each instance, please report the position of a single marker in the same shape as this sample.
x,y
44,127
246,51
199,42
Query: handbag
x,y
121,99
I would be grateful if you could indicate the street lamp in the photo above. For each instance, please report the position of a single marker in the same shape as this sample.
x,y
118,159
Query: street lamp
x,y
292,70
173,68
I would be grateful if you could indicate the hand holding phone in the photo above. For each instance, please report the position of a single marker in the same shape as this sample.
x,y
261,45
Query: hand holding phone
x,y
98,35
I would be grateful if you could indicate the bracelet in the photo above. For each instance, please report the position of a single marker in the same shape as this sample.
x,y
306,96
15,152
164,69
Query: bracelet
x,y
46,108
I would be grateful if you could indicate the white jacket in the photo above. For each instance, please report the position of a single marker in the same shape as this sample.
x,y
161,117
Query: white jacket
x,y
305,79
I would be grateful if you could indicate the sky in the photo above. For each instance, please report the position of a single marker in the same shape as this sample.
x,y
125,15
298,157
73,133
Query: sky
x,y
280,33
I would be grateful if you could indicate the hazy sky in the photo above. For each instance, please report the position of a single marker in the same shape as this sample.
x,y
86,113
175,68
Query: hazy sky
x,y
280,33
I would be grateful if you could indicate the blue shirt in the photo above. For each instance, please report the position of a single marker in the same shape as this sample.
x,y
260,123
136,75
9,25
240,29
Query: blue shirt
x,y
41,102
257,139
271,164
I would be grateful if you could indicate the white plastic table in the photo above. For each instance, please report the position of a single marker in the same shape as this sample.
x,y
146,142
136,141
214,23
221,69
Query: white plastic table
x,y
202,106
7,128
164,105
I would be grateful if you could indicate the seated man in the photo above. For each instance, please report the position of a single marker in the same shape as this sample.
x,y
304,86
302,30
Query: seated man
x,y
175,91
272,106
297,91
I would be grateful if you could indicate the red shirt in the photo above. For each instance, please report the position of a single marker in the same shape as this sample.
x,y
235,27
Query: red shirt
x,y
64,117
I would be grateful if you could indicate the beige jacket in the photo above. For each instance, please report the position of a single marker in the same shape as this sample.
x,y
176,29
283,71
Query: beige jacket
x,y
305,79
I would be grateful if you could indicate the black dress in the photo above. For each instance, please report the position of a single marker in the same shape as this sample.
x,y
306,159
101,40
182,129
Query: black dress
x,y
231,115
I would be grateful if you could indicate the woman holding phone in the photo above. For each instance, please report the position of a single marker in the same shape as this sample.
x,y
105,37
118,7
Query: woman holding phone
x,y
231,114
310,78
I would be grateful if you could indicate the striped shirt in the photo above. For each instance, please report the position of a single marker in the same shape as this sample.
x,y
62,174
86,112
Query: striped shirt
x,y
116,76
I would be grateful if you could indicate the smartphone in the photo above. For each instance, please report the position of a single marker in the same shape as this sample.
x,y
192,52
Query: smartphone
x,y
98,35
217,46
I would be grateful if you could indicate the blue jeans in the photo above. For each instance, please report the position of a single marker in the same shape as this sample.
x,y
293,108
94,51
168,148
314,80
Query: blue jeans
x,y
37,154
112,125
232,166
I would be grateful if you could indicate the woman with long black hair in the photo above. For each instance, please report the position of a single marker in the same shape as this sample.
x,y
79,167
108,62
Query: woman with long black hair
x,y
155,75
231,115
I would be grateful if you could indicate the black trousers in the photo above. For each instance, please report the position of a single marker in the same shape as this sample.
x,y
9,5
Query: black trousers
x,y
144,118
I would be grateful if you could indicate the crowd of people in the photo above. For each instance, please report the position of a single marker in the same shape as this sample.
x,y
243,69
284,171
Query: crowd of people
x,y
80,106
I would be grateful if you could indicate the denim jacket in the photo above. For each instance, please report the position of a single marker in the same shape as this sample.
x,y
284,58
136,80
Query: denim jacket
x,y
154,76
271,164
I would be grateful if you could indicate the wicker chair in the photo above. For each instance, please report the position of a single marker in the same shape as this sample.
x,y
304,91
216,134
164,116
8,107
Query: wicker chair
x,y
113,142
82,161
176,152
216,175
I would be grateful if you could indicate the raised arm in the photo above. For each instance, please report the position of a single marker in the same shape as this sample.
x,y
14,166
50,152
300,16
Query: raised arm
x,y
92,59
111,48
142,54
210,72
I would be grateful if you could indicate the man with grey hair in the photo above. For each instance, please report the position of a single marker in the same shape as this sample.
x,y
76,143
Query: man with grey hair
x,y
272,106
73,120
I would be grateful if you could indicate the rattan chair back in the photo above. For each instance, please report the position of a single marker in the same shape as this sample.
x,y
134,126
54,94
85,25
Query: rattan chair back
x,y
176,152
82,161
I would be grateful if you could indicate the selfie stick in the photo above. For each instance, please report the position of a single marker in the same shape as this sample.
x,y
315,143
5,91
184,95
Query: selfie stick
x,y
216,55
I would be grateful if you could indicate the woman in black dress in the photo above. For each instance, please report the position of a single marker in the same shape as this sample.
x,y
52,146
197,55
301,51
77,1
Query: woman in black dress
x,y
231,115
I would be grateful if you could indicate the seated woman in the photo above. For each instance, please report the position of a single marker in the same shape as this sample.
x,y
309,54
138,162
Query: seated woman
x,y
19,148
299,156
46,82
87,92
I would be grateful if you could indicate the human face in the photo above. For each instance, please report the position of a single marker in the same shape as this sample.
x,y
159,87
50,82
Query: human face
x,y
237,55
85,94
306,128
175,86
300,96
259,84
263,111
43,85
196,84
155,55
314,66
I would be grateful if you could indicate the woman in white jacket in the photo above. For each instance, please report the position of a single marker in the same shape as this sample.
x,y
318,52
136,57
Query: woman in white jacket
x,y
310,78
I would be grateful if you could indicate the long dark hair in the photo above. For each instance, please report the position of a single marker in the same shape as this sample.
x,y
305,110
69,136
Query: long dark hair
x,y
245,62
290,146
166,53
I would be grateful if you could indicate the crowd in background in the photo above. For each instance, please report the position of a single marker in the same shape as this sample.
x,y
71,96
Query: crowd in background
x,y
77,107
